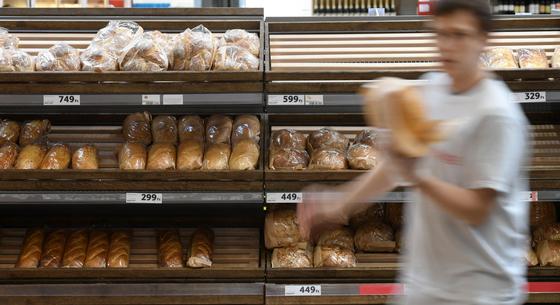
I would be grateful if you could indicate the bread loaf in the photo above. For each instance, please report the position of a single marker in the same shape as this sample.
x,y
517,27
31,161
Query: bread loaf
x,y
531,258
542,213
119,250
15,60
144,54
8,155
367,137
362,156
234,58
117,35
374,213
162,156
326,138
191,128
164,129
9,131
288,159
216,157
202,249
190,155
532,58
287,139
85,157
31,157
34,132
31,250
58,157
165,41
243,39
137,128
292,257
182,51
328,159
170,249
53,250
499,58
75,249
556,59
281,229
245,155
203,45
97,250
7,40
59,57
395,215
374,237
548,252
132,156
246,127
218,129
546,232
333,257
341,237
98,59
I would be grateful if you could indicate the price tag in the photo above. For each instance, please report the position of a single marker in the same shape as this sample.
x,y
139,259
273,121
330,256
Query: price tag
x,y
151,99
173,99
302,290
150,198
61,100
284,197
314,100
286,100
530,97
531,196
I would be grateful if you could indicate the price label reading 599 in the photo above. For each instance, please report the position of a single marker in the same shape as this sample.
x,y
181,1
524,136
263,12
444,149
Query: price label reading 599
x,y
286,100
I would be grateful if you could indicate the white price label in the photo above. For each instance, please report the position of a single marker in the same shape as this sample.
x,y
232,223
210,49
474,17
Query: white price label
x,y
151,198
151,99
531,196
173,99
284,197
61,100
314,100
286,100
302,290
530,97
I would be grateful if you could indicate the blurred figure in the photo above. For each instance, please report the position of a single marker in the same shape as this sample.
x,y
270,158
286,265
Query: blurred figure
x,y
467,226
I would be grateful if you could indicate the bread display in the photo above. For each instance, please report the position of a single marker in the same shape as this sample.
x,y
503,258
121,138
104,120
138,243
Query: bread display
x,y
8,155
218,129
531,258
162,156
59,57
53,250
85,157
34,132
395,215
191,127
246,127
15,60
327,138
234,58
9,131
532,58
333,257
499,58
367,137
281,229
216,157
542,213
132,156
292,257
372,237
119,250
202,249
548,252
287,139
374,213
556,58
31,250
288,159
97,250
75,249
170,249
98,59
137,128
190,155
144,54
328,159
340,237
546,232
164,129
243,39
244,156
117,35
362,156
31,156
58,157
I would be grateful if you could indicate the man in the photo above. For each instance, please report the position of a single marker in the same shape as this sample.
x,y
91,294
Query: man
x,y
466,227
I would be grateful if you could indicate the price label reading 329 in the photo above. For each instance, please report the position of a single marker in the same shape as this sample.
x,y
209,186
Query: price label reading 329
x,y
61,100
531,97
302,290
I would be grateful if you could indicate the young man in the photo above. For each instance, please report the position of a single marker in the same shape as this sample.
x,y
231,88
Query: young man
x,y
466,226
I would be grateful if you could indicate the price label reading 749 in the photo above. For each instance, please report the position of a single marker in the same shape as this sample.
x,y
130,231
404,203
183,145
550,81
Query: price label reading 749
x,y
61,100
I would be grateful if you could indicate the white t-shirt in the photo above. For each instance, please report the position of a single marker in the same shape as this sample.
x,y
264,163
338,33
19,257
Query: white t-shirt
x,y
446,260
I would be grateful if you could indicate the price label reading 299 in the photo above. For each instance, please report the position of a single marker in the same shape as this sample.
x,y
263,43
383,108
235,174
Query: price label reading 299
x,y
150,198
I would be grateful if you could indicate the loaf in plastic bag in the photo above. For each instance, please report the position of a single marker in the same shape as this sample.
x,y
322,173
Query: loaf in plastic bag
x,y
287,139
60,57
164,129
31,156
246,127
328,159
85,157
162,156
341,237
374,237
327,138
165,41
7,40
8,155
9,131
190,155
243,39
367,137
98,59
202,249
218,129
334,257
191,127
532,58
194,50
216,157
132,156
117,35
137,128
281,229
546,232
499,58
58,157
362,156
292,257
34,131
542,213
288,159
374,213
144,54
234,58
14,60
244,156
548,252
556,58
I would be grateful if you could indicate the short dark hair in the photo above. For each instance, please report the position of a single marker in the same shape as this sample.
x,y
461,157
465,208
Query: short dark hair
x,y
479,8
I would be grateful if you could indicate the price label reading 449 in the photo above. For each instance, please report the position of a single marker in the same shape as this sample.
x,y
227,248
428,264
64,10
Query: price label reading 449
x,y
284,197
286,100
150,198
302,290
61,100
531,97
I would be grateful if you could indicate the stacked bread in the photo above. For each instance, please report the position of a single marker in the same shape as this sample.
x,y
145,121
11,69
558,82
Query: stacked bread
x,y
199,255
12,59
524,58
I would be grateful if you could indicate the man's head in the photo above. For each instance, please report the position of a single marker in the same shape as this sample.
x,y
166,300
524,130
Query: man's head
x,y
461,28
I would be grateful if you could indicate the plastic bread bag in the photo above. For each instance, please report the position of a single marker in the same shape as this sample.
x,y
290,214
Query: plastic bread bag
x,y
218,129
203,45
234,58
117,35
8,155
373,237
14,60
7,40
288,159
542,213
334,257
165,41
292,257
246,127
367,137
556,58
532,58
35,131
546,232
59,57
144,54
97,59
182,50
9,131
328,159
164,129
58,157
243,39
137,127
281,228
327,138
287,139
362,156
499,58
191,127
85,157
341,237
132,156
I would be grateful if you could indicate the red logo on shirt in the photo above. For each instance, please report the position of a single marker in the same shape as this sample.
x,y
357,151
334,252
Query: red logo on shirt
x,y
448,158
